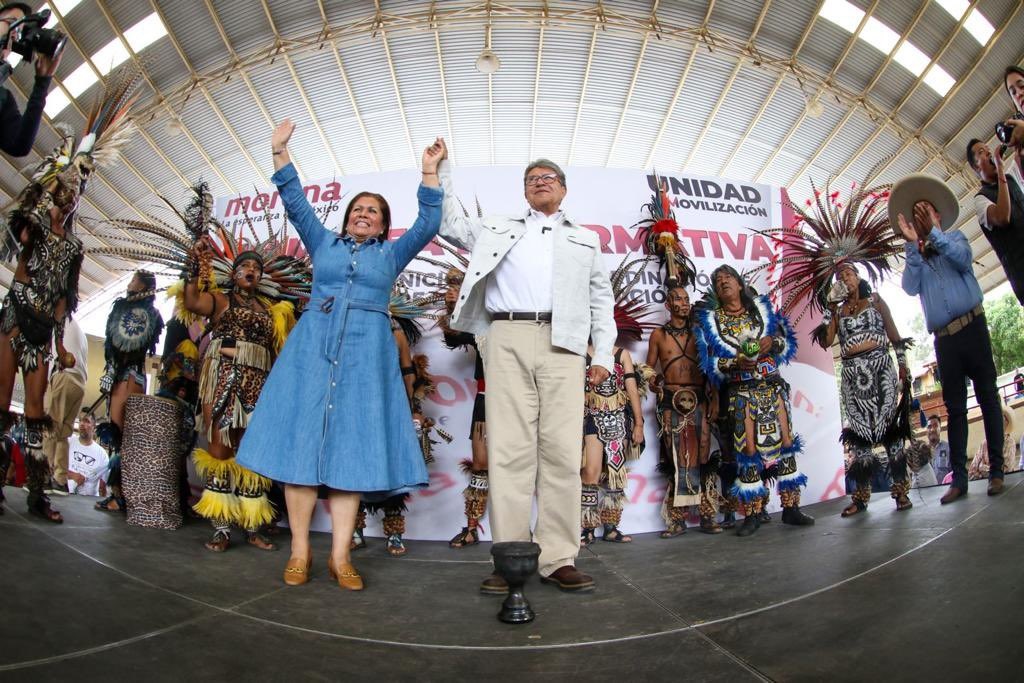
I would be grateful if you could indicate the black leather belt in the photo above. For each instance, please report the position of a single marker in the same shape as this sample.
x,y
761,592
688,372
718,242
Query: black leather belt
x,y
534,316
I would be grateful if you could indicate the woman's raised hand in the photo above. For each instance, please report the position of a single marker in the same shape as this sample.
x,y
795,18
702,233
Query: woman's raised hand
x,y
282,134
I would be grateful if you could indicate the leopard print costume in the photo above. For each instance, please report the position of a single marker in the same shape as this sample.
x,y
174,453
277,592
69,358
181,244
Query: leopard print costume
x,y
232,386
151,461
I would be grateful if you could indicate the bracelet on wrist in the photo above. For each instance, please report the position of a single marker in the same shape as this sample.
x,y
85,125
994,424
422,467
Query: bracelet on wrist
x,y
428,172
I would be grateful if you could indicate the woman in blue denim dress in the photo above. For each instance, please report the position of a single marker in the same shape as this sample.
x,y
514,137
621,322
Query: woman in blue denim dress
x,y
334,411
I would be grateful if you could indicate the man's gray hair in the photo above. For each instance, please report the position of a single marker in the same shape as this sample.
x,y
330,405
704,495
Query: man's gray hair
x,y
545,163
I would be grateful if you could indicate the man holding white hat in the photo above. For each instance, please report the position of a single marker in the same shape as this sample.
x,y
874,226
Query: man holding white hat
x,y
939,270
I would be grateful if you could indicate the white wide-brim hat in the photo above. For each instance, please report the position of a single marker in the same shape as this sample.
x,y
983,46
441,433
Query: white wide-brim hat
x,y
922,187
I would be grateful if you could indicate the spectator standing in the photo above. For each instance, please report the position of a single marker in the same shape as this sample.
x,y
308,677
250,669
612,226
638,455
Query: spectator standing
x,y
63,402
940,448
87,463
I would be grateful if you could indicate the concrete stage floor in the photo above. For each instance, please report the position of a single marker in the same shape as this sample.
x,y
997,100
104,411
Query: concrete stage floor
x,y
932,594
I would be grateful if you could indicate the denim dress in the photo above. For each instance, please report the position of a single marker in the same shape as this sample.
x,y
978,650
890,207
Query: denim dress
x,y
334,409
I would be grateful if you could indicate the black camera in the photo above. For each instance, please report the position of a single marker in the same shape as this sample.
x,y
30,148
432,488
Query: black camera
x,y
29,35
1005,132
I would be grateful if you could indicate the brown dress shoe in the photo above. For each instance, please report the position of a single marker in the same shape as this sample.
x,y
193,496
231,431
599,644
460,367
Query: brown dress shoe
x,y
568,578
346,576
952,494
494,584
995,487
296,572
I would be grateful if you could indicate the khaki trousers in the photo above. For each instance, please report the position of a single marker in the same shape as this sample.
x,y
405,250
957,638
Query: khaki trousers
x,y
534,405
63,401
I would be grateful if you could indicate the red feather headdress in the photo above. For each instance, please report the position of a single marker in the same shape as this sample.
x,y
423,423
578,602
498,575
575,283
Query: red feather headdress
x,y
827,234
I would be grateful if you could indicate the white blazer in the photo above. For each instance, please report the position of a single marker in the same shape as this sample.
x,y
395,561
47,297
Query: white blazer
x,y
582,299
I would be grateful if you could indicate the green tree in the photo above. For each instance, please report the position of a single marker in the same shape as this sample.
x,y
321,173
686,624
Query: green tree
x,y
1006,326
922,350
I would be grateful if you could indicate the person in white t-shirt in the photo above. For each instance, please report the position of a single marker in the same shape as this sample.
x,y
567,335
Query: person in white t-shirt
x,y
87,461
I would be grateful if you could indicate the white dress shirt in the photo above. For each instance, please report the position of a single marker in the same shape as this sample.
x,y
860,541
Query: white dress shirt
x,y
522,280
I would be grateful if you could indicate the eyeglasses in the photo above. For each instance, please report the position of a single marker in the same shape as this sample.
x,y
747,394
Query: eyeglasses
x,y
85,457
545,179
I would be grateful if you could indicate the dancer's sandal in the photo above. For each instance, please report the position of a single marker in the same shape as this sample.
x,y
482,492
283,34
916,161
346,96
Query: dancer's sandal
x,y
42,508
468,536
111,503
587,536
613,535
903,503
396,548
854,508
260,540
220,542
674,529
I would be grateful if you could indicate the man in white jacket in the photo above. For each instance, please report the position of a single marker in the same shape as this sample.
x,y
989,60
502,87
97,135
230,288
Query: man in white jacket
x,y
537,288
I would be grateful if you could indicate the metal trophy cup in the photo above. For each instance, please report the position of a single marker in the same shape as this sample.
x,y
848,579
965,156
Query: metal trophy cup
x,y
516,561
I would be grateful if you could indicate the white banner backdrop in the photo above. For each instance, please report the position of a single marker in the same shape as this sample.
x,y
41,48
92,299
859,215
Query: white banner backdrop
x,y
713,214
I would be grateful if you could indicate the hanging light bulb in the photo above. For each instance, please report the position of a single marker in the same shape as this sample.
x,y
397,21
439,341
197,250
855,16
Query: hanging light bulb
x,y
487,62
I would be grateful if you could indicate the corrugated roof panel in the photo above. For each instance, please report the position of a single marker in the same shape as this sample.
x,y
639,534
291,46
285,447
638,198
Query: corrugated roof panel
x,y
564,62
511,128
891,87
683,13
352,10
824,46
713,151
595,134
295,18
247,29
782,169
517,49
933,29
749,159
736,18
89,27
659,75
191,24
460,50
611,70
813,131
782,114
706,82
784,24
164,67
472,133
860,66
748,92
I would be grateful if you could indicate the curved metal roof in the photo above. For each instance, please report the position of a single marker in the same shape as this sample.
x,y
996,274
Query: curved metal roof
x,y
718,87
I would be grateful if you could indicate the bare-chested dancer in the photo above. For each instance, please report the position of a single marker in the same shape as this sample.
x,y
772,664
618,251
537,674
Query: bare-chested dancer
x,y
687,405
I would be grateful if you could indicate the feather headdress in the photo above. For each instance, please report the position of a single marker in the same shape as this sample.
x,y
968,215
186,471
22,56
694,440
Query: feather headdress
x,y
630,314
660,235
287,275
827,234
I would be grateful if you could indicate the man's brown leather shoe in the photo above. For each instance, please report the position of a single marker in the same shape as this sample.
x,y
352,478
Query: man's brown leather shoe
x,y
995,487
568,578
495,584
952,494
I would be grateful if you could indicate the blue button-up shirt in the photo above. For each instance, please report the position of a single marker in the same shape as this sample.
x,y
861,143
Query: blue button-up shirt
x,y
945,280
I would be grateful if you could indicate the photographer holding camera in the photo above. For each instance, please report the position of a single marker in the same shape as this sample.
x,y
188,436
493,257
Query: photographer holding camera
x,y
22,32
999,202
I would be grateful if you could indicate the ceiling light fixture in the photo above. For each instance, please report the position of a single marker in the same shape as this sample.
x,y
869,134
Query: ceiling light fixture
x,y
488,62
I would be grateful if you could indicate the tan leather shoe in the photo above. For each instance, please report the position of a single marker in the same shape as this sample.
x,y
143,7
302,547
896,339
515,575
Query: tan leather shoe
x,y
296,572
346,576
995,487
952,494
568,578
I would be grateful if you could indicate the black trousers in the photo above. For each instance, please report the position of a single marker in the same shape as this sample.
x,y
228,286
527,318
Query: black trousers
x,y
968,354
